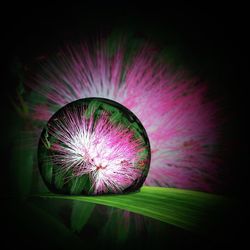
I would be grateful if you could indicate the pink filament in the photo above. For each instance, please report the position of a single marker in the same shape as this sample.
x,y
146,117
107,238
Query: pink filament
x,y
179,121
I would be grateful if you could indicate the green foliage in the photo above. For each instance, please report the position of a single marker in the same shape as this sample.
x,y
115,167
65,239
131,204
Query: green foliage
x,y
21,167
80,214
187,209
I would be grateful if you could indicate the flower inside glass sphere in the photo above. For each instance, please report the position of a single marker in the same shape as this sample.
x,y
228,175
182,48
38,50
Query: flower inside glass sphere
x,y
94,146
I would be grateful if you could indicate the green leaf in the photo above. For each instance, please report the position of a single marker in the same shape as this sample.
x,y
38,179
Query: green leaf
x,y
59,179
117,225
81,212
190,210
77,184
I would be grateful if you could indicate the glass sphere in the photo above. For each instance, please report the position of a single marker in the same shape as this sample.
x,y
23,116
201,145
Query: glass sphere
x,y
94,146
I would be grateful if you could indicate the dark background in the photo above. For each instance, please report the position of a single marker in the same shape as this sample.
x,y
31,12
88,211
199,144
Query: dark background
x,y
210,42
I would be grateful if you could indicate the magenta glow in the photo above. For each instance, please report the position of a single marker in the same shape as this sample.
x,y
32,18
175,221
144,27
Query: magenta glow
x,y
180,121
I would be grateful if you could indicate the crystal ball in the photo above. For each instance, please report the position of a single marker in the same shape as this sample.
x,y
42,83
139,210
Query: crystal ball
x,y
93,146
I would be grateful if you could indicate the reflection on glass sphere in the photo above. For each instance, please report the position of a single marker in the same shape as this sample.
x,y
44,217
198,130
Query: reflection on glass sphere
x,y
94,146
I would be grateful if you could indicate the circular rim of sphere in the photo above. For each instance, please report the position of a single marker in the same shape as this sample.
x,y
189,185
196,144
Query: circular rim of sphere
x,y
130,115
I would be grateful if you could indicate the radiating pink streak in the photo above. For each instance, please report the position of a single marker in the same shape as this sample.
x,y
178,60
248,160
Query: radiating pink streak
x,y
180,122
106,152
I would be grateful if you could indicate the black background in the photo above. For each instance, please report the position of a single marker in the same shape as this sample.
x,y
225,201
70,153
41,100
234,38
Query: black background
x,y
210,41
